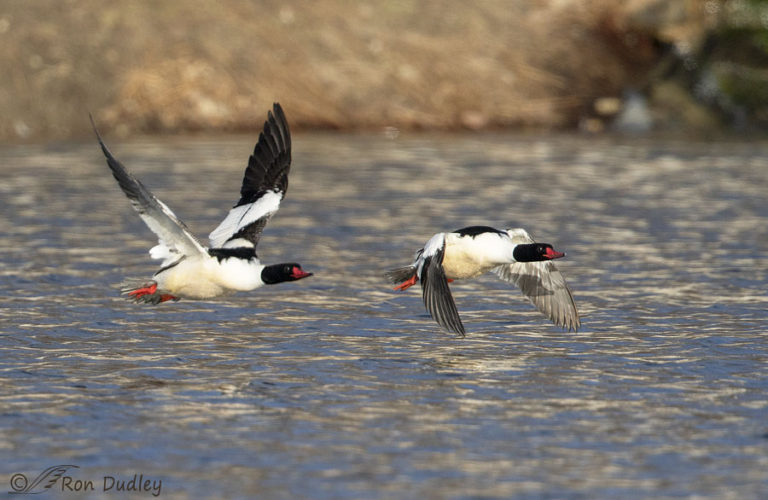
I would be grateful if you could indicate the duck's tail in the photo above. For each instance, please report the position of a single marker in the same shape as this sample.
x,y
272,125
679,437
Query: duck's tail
x,y
403,277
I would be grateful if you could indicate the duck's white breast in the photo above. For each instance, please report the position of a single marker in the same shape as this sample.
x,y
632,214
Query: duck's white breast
x,y
467,256
206,277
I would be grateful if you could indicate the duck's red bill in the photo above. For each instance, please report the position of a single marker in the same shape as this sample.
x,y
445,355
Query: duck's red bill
x,y
552,254
299,273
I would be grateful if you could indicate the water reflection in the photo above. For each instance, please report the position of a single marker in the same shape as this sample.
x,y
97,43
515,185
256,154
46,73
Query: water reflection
x,y
338,387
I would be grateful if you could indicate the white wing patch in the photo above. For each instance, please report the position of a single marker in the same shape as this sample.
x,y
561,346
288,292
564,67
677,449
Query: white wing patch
x,y
238,243
174,239
431,248
242,216
434,245
163,252
182,242
519,235
160,251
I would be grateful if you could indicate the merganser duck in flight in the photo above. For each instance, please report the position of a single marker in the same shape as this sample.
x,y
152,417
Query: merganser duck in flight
x,y
229,264
512,255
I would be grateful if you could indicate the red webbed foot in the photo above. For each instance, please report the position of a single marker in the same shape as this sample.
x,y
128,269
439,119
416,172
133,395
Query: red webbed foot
x,y
148,289
148,294
407,283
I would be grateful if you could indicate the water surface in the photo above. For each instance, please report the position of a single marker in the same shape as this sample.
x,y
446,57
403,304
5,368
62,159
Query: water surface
x,y
338,387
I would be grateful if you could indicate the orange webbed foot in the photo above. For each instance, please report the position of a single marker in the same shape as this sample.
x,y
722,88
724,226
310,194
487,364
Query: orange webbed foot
x,y
407,283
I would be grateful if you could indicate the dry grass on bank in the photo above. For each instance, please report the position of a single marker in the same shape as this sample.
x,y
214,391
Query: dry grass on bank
x,y
148,66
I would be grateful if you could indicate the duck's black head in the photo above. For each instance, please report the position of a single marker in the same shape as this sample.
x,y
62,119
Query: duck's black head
x,y
535,252
277,273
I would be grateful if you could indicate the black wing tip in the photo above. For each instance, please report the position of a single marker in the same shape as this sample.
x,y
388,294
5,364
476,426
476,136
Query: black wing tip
x,y
95,129
568,323
104,147
275,129
461,332
281,122
573,326
276,114
279,113
452,325
131,186
457,327
270,162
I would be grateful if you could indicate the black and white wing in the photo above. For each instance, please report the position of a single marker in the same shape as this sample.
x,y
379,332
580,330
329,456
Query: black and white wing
x,y
264,186
543,284
434,286
176,240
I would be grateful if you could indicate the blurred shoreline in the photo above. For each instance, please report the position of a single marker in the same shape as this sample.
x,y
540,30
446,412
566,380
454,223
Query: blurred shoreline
x,y
177,67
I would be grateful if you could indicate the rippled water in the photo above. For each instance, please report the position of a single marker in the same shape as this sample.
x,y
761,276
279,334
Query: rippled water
x,y
338,387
